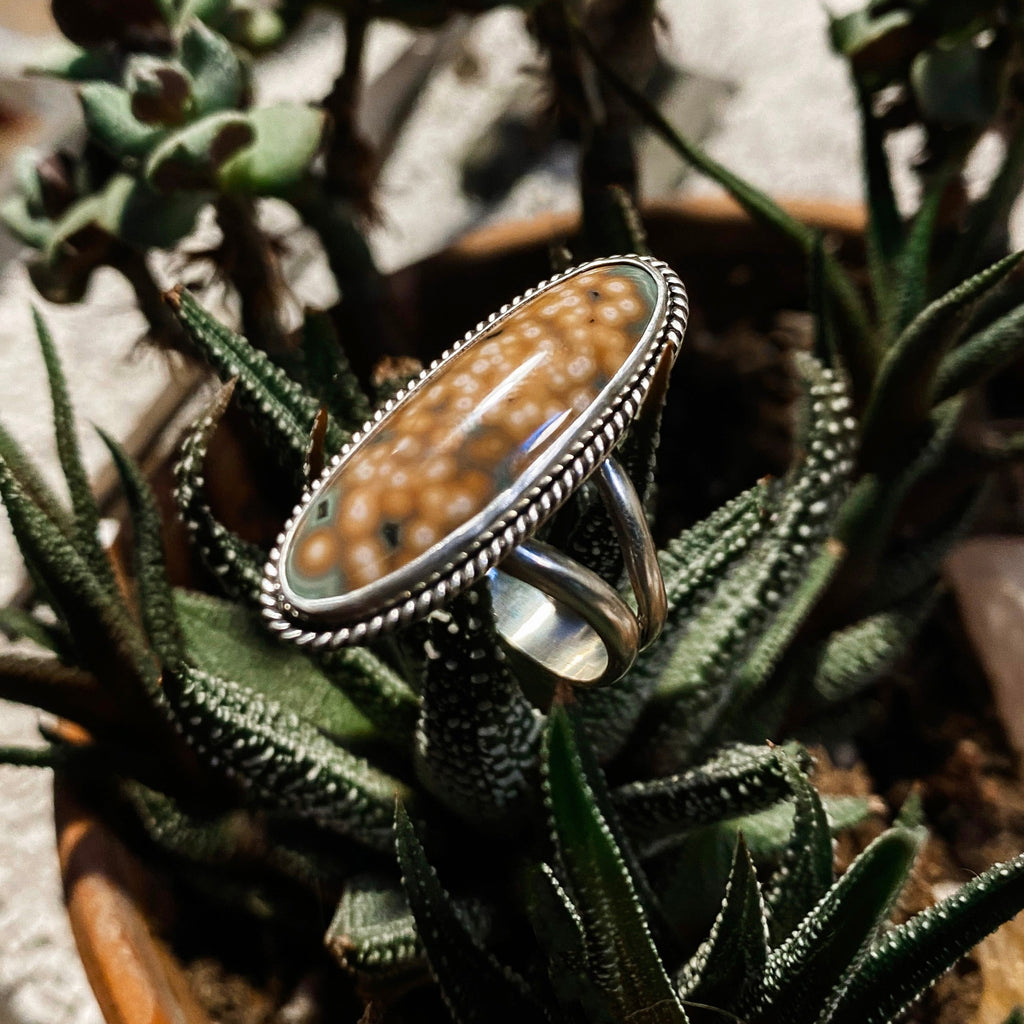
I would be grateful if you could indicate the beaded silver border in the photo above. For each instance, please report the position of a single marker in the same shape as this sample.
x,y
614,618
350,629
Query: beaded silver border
x,y
519,521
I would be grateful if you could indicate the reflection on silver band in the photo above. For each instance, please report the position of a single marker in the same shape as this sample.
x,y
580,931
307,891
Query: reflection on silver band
x,y
565,618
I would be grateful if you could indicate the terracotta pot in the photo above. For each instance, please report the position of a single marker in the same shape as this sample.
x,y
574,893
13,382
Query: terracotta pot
x,y
109,898
724,259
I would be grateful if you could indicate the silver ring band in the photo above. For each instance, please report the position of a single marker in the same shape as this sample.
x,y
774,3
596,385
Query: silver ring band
x,y
565,618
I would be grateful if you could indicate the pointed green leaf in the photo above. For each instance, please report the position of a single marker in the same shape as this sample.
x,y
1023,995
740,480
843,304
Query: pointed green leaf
x,y
910,957
559,930
31,481
58,756
914,262
373,931
802,974
620,950
58,689
884,225
282,762
853,658
477,989
804,874
903,393
237,563
735,953
227,640
106,638
83,504
979,357
376,689
329,376
757,606
282,411
738,780
156,600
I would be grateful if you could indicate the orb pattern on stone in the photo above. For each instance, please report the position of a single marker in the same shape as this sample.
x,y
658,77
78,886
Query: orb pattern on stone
x,y
464,436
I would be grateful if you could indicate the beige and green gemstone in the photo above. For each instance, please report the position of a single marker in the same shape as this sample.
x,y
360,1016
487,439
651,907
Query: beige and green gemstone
x,y
468,432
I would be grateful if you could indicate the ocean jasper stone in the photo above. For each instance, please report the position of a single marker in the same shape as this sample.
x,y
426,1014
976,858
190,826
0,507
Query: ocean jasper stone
x,y
458,450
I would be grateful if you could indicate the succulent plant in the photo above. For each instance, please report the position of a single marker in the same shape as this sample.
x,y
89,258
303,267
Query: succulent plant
x,y
171,129
636,851
197,717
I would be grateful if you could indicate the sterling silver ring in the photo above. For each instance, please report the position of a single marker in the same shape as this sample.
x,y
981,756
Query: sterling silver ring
x,y
451,479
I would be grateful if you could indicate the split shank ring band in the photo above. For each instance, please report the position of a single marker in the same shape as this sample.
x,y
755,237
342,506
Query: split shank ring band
x,y
451,479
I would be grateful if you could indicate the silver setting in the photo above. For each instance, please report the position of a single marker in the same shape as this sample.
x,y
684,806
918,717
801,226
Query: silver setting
x,y
457,566
566,620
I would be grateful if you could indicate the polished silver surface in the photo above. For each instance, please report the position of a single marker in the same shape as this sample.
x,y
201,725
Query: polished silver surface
x,y
567,619
462,559
638,550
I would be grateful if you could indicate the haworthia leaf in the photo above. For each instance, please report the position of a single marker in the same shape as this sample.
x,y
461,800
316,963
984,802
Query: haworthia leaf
x,y
692,565
478,738
700,673
902,394
477,989
283,763
83,504
863,525
855,657
329,376
884,232
29,479
804,874
282,411
106,639
801,975
914,262
44,757
690,874
559,930
735,953
380,694
620,951
373,931
209,837
237,563
915,564
156,601
227,640
739,780
909,957
981,356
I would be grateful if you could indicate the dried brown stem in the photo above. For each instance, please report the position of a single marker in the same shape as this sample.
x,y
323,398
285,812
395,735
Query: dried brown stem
x,y
250,264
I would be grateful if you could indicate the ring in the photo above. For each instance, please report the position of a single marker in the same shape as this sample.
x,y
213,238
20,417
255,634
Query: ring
x,y
452,478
